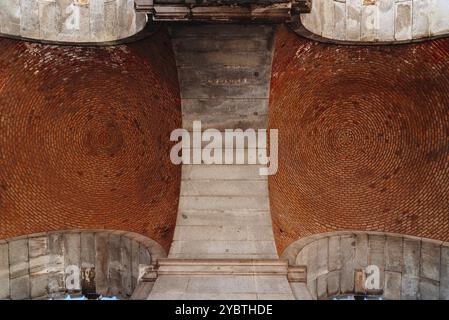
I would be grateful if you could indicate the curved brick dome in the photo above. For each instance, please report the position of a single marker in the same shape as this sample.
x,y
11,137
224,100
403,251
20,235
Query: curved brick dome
x,y
363,138
84,138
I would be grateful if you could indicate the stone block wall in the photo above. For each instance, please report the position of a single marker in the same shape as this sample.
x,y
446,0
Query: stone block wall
x,y
342,262
70,20
377,20
44,266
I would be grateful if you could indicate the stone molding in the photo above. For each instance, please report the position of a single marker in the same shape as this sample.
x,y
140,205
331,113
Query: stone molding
x,y
340,263
376,21
235,267
70,21
110,262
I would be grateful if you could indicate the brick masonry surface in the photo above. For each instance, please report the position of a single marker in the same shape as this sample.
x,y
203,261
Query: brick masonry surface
x,y
84,138
362,138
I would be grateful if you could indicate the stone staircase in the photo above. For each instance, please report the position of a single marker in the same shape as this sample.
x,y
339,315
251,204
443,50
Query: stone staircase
x,y
223,245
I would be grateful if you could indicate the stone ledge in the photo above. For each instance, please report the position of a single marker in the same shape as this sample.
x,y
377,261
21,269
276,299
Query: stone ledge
x,y
254,267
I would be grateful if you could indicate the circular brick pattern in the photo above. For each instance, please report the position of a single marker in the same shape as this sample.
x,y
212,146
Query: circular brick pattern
x,y
84,138
363,138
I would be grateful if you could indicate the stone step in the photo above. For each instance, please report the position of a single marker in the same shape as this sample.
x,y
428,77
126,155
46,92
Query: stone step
x,y
225,248
223,217
201,45
223,202
236,31
223,233
224,188
222,172
223,59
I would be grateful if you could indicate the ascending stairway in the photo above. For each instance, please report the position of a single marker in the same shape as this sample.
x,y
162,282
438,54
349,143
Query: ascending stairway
x,y
224,73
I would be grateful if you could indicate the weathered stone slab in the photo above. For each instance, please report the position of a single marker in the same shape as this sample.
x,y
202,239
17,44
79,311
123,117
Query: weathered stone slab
x,y
439,23
312,21
101,262
386,16
29,19
272,285
97,18
39,286
403,20
18,259
221,284
369,23
126,266
348,244
72,249
322,256
444,273
410,287
225,188
224,59
353,19
300,291
218,249
430,260
393,254
39,266
182,44
4,271
223,203
339,21
219,218
411,257
333,283
10,17
393,285
20,288
110,20
421,18
56,263
321,286
225,172
72,263
327,21
361,251
87,256
335,261
428,289
49,20
114,265
135,262
126,24
377,255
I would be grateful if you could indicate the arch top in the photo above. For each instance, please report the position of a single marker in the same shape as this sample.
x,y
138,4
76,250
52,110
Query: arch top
x,y
70,21
377,21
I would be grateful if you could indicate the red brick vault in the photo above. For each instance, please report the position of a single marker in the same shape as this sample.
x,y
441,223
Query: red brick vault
x,y
84,138
363,138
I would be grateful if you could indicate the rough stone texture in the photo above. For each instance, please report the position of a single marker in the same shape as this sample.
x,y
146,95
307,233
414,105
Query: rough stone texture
x,y
39,261
84,149
359,128
444,273
380,20
393,285
398,258
70,20
38,266
4,271
430,261
225,287
393,254
403,20
223,209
